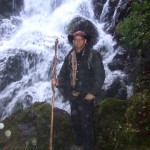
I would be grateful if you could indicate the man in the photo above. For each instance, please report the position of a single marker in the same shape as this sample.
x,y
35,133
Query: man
x,y
82,76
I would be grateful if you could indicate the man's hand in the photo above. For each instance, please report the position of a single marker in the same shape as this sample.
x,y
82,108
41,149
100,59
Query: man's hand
x,y
54,82
89,97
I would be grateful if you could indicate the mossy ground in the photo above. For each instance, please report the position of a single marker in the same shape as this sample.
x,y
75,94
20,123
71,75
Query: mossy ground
x,y
119,124
124,124
33,124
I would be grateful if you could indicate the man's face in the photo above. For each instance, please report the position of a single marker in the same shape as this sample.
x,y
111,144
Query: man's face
x,y
79,41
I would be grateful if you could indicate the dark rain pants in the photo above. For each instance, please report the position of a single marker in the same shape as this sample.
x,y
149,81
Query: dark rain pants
x,y
82,122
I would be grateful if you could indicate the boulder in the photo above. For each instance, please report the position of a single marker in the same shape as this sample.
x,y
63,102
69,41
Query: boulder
x,y
79,23
123,124
118,62
12,71
117,89
31,129
109,117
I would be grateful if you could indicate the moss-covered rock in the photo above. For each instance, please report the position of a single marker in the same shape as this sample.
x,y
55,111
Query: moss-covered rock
x,y
137,128
109,119
31,129
83,24
124,124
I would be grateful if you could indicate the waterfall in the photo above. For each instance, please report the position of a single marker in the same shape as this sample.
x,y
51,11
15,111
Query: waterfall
x,y
104,11
111,11
115,12
32,38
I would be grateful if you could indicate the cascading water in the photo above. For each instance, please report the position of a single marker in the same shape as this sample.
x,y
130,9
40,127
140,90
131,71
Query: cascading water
x,y
31,38
111,11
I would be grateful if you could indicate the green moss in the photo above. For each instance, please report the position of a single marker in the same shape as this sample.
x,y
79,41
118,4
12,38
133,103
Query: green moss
x,y
135,30
109,120
142,82
34,124
124,124
137,127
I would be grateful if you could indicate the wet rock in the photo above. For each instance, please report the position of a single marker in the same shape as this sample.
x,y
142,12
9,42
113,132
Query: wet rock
x,y
28,130
9,27
24,102
118,62
83,24
10,7
109,116
12,72
145,59
31,128
117,89
14,67
116,11
98,7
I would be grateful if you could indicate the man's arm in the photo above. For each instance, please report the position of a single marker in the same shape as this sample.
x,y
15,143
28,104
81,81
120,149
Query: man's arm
x,y
62,77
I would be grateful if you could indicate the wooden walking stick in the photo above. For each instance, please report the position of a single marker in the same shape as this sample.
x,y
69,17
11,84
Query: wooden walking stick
x,y
53,96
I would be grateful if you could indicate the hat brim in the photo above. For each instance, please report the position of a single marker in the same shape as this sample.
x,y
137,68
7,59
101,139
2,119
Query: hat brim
x,y
71,37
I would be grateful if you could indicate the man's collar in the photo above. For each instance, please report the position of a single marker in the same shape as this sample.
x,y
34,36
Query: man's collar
x,y
81,52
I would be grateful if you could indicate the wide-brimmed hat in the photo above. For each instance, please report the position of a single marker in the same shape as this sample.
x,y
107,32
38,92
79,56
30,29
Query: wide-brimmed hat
x,y
79,33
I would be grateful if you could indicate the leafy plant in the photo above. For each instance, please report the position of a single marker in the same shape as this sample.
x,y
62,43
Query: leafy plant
x,y
135,30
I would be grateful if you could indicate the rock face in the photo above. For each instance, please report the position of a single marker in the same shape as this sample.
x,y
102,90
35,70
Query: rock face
x,y
117,89
14,67
145,60
110,12
118,62
12,72
116,11
83,24
10,7
98,7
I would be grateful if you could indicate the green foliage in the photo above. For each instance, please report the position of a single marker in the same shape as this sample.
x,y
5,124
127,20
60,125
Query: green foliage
x,y
124,124
135,30
142,82
135,35
137,126
109,118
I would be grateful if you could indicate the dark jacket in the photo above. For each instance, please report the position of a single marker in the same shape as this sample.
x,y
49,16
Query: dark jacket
x,y
90,73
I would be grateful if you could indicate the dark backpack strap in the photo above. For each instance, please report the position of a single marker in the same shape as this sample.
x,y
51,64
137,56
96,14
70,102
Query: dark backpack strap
x,y
90,59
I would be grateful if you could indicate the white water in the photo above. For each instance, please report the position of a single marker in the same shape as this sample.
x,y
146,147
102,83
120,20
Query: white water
x,y
108,6
40,23
104,11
